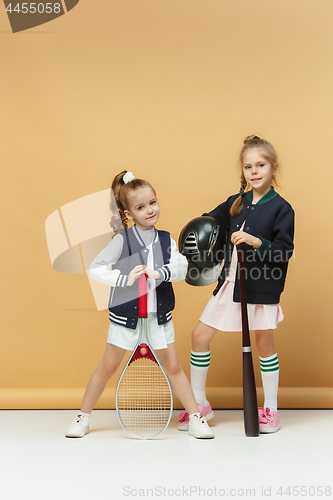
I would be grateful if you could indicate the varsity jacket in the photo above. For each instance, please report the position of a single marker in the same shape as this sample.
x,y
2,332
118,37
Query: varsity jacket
x,y
272,221
127,250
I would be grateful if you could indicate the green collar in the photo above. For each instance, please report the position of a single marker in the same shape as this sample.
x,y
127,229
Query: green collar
x,y
268,196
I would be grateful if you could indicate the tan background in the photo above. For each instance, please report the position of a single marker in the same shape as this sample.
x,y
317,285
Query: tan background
x,y
167,89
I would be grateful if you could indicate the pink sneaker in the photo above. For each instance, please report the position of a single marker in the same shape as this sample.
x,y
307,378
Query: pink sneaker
x,y
184,419
269,420
260,412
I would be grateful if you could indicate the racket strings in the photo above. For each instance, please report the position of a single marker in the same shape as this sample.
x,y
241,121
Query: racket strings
x,y
144,398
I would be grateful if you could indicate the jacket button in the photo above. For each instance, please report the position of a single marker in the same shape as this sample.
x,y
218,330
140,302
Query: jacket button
x,y
229,247
237,225
135,307
159,304
247,228
252,208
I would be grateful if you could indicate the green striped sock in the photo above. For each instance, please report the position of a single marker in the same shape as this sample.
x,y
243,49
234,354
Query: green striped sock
x,y
270,364
199,369
270,380
200,359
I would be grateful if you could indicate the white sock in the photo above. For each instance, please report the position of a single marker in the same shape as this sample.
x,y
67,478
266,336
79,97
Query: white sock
x,y
198,414
84,414
270,380
199,368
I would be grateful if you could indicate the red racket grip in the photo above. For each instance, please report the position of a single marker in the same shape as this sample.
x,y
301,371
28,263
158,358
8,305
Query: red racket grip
x,y
143,296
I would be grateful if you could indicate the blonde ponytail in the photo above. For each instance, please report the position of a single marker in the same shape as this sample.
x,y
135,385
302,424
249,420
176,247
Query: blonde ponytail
x,y
117,210
120,190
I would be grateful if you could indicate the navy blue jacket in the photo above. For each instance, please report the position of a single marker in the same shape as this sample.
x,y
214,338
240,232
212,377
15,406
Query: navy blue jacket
x,y
124,301
271,220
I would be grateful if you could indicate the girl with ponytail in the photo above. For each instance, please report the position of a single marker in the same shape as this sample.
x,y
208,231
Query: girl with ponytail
x,y
137,248
261,219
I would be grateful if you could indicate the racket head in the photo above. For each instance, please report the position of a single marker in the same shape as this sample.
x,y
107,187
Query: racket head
x,y
144,398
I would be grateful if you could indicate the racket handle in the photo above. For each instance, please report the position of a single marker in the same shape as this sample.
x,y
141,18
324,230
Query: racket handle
x,y
143,296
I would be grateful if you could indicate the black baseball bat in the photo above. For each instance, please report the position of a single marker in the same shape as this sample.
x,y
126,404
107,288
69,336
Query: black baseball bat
x,y
250,405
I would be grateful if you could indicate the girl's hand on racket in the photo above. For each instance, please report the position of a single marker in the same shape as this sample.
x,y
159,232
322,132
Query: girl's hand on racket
x,y
153,275
241,237
134,274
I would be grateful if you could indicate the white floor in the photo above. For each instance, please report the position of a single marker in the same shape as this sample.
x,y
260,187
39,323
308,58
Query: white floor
x,y
37,461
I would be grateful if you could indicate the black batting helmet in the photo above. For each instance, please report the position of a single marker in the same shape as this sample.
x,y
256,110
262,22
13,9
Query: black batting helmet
x,y
203,241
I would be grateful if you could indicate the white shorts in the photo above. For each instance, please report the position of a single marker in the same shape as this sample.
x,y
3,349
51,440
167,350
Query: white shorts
x,y
159,335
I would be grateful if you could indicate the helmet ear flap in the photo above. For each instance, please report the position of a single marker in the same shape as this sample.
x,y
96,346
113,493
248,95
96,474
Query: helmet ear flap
x,y
203,242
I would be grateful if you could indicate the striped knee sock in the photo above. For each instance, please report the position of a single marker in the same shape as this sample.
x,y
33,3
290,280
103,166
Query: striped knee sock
x,y
270,380
199,367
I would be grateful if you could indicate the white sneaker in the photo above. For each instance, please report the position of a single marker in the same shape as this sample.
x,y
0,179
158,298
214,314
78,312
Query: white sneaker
x,y
79,427
199,428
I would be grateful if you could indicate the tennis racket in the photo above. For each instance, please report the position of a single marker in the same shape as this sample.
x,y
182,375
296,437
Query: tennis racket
x,y
144,396
251,419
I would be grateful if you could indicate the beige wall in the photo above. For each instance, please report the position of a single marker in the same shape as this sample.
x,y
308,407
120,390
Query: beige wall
x,y
167,89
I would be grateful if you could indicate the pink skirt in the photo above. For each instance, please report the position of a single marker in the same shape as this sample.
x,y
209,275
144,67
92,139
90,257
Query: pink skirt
x,y
222,313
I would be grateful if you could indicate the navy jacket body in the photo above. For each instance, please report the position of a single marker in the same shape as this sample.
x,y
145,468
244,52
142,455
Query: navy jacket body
x,y
124,300
271,220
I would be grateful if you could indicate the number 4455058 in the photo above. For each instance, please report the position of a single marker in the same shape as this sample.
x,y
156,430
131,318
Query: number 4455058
x,y
303,491
32,8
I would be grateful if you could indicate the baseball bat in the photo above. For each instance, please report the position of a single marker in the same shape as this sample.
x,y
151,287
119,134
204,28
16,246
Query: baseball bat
x,y
250,405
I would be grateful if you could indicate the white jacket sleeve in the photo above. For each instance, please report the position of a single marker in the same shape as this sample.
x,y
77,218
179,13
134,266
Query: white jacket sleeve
x,y
177,268
99,269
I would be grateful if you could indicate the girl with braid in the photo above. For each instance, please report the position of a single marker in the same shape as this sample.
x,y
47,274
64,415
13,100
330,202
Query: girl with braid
x,y
134,250
261,219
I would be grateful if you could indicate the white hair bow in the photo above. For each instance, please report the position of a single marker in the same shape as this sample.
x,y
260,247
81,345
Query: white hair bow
x,y
128,177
